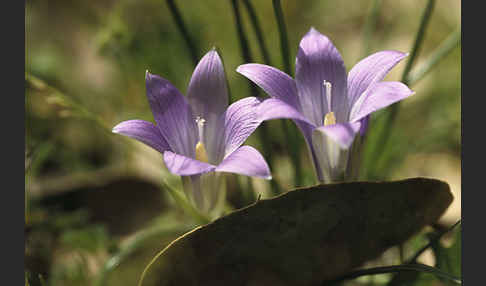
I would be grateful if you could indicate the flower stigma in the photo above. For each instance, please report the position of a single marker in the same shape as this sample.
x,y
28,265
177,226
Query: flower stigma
x,y
201,153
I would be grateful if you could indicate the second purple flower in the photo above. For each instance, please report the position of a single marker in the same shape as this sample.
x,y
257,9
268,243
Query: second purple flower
x,y
332,105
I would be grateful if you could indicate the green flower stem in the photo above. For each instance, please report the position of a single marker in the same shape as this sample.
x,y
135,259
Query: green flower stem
x,y
181,201
395,269
247,58
290,131
193,49
441,52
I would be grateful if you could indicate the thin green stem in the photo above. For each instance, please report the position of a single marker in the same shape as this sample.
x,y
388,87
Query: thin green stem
x,y
426,16
245,49
441,52
246,54
290,132
186,205
191,46
284,42
394,269
414,258
258,31
393,110
370,26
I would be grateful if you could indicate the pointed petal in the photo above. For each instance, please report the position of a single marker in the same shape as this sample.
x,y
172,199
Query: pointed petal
x,y
208,96
207,92
274,82
341,133
273,108
172,114
247,161
240,120
185,166
378,96
319,60
144,131
370,70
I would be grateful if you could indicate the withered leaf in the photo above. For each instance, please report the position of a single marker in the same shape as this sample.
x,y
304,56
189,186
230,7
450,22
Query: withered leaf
x,y
304,236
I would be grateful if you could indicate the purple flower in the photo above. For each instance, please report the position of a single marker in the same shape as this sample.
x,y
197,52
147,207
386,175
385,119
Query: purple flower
x,y
200,134
332,105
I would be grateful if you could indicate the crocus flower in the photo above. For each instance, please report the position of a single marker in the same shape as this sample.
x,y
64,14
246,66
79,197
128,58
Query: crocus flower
x,y
200,134
333,106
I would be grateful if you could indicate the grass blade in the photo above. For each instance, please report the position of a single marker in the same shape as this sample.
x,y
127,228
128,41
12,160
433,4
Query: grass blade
x,y
284,42
441,52
390,116
191,46
370,26
290,131
247,58
395,269
258,31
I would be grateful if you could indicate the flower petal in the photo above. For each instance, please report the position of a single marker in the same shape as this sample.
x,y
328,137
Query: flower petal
x,y
247,161
370,70
144,131
273,108
207,92
319,60
378,96
208,96
365,121
172,114
341,133
331,157
274,82
185,166
240,120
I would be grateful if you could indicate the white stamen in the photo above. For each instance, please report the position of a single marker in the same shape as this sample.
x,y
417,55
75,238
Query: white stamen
x,y
200,126
328,87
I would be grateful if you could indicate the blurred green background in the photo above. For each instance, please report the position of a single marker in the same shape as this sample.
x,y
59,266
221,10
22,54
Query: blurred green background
x,y
90,193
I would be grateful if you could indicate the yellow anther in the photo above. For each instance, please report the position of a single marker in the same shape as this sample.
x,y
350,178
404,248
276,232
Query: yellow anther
x,y
329,119
201,153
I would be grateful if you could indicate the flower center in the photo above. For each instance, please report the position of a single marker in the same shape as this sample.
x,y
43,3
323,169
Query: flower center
x,y
329,119
201,153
